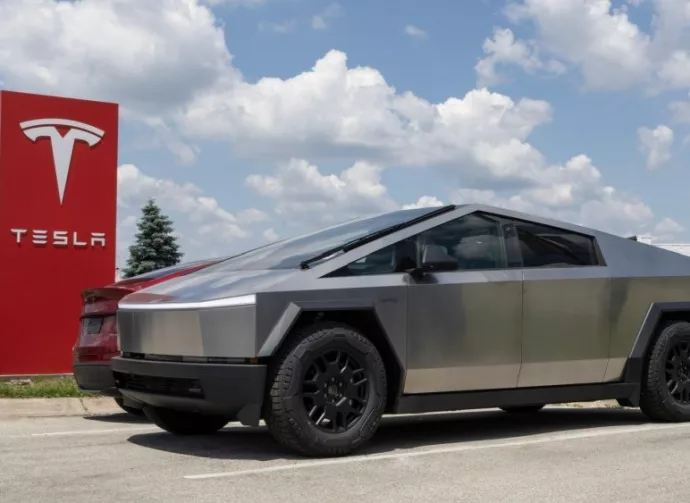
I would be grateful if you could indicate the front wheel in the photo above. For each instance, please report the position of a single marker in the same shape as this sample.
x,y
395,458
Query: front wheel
x,y
183,422
665,394
327,391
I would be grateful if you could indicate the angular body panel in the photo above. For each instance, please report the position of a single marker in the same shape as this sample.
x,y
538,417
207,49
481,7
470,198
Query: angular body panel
x,y
456,342
641,275
566,326
221,332
386,296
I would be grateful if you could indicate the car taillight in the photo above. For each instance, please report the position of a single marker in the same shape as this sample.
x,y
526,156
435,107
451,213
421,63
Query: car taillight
x,y
97,339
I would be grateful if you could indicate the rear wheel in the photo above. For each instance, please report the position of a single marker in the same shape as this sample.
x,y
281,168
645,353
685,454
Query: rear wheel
x,y
183,422
523,409
665,394
129,410
327,391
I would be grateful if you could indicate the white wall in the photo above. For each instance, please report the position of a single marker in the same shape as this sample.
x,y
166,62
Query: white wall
x,y
683,249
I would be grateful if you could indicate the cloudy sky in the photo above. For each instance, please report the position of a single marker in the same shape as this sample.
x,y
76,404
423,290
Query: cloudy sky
x,y
250,120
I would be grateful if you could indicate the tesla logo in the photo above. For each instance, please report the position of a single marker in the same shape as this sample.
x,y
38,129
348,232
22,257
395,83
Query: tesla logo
x,y
59,238
62,145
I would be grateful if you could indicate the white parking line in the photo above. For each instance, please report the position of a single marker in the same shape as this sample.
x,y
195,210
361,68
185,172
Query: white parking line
x,y
80,432
444,450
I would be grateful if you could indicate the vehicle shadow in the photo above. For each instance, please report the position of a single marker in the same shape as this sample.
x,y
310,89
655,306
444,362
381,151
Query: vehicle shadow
x,y
119,418
398,432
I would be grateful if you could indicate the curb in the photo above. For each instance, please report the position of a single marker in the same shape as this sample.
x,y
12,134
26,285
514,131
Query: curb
x,y
22,377
57,407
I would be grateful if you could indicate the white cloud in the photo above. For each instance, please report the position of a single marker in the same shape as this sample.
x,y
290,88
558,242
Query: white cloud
x,y
570,192
124,51
236,3
604,208
503,49
656,144
676,70
573,192
207,228
252,215
270,235
680,111
282,27
415,32
423,202
601,42
184,152
667,230
130,52
301,192
610,50
333,112
322,21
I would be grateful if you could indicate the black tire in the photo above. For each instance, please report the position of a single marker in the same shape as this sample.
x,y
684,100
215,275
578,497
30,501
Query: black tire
x,y
129,410
182,422
291,391
657,399
523,409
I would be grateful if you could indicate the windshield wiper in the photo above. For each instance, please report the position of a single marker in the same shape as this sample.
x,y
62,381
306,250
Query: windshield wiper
x,y
351,245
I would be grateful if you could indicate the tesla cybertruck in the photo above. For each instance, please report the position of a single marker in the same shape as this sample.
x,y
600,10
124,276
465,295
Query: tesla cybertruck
x,y
430,309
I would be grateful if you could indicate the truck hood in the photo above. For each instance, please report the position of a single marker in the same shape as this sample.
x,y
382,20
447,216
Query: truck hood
x,y
205,288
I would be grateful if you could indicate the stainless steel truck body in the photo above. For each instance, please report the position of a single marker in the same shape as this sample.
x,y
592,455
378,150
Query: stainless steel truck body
x,y
429,309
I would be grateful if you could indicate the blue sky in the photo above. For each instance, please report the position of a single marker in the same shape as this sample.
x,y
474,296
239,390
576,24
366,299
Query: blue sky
x,y
229,124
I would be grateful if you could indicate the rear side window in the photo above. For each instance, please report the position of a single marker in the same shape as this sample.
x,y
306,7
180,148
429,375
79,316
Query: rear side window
x,y
543,246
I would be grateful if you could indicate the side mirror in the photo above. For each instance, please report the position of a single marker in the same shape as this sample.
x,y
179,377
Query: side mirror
x,y
434,258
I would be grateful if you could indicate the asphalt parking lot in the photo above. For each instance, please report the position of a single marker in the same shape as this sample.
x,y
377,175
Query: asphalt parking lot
x,y
601,455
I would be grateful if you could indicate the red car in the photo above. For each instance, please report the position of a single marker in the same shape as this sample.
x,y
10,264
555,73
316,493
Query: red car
x,y
97,342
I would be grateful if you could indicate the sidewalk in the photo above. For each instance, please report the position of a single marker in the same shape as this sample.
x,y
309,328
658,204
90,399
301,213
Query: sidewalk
x,y
55,407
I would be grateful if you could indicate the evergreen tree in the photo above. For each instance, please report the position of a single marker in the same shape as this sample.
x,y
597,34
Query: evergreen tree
x,y
155,246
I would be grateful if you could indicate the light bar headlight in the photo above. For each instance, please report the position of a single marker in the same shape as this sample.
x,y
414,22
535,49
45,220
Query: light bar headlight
x,y
241,300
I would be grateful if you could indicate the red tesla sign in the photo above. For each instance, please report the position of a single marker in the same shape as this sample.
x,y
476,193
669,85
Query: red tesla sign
x,y
58,196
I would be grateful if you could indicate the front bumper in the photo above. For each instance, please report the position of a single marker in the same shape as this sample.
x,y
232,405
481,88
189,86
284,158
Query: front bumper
x,y
95,378
232,390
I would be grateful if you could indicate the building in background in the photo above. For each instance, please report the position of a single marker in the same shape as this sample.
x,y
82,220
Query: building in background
x,y
683,249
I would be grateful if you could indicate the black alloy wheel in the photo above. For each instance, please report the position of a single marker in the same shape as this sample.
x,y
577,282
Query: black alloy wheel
x,y
335,390
327,390
665,390
678,371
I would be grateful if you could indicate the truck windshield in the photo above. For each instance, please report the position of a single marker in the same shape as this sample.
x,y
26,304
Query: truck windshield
x,y
290,253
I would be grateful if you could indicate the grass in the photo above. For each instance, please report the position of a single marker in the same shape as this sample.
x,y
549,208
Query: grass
x,y
53,387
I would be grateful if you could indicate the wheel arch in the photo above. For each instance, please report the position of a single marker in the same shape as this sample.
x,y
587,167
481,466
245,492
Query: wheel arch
x,y
361,316
659,315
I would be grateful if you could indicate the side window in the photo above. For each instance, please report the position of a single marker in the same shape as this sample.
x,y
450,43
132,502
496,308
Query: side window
x,y
474,240
396,258
543,246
